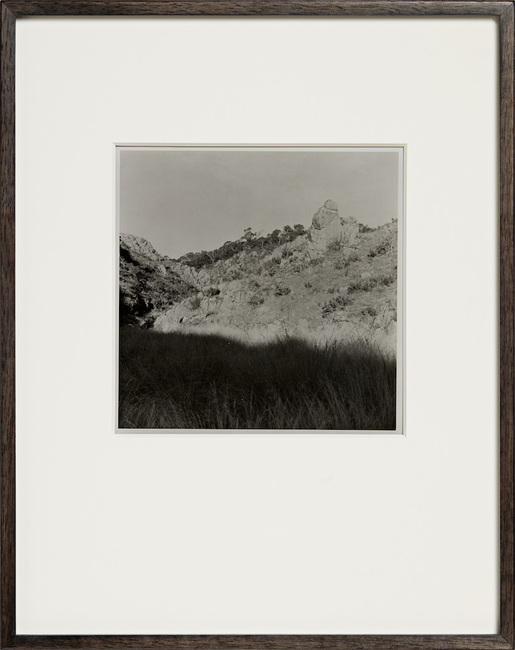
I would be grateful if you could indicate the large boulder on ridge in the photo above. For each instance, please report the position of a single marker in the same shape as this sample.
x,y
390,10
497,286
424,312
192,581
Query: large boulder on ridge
x,y
328,228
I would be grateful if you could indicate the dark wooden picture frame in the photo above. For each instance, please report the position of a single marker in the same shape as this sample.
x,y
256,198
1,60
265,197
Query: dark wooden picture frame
x,y
504,11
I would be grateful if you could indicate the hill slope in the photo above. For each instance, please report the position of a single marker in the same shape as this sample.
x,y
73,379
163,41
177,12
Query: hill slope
x,y
336,279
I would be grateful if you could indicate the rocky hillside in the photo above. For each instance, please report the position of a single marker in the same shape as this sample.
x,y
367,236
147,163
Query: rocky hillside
x,y
337,278
149,282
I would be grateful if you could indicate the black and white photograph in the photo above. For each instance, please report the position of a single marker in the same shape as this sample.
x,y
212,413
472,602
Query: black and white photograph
x,y
260,288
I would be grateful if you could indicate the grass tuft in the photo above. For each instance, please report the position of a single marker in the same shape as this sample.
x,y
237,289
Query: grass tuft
x,y
175,380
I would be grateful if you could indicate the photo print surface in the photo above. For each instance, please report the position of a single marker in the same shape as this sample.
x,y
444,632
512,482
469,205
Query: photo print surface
x,y
260,288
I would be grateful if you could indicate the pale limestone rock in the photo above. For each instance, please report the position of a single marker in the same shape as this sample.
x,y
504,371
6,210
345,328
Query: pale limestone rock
x,y
329,229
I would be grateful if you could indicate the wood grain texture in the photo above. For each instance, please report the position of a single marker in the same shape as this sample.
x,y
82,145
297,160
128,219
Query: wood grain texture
x,y
7,415
507,324
505,11
271,642
253,8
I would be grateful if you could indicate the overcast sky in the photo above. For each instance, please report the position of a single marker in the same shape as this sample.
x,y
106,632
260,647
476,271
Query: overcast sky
x,y
184,201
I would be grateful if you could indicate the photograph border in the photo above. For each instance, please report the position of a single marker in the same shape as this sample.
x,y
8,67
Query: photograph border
x,y
400,428
504,12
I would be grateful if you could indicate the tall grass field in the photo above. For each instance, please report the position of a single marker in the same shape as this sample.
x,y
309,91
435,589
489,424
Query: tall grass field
x,y
194,381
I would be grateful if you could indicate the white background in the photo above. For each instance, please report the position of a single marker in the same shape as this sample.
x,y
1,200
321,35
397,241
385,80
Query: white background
x,y
255,533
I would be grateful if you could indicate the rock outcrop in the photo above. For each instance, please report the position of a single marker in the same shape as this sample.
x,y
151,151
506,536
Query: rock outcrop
x,y
329,229
325,215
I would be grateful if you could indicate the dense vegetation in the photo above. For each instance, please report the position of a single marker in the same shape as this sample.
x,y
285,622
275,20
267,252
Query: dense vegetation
x,y
193,381
249,242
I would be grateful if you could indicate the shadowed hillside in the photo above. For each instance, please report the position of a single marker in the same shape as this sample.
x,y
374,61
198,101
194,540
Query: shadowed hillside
x,y
148,282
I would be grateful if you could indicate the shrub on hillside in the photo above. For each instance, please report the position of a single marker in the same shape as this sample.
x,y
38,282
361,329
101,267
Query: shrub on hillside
x,y
381,249
194,303
367,284
334,246
256,299
335,304
354,257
